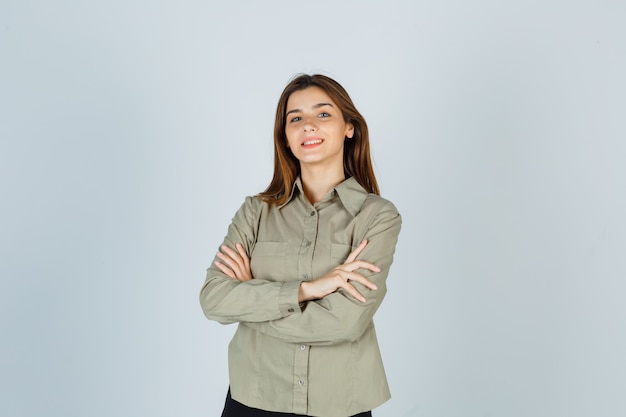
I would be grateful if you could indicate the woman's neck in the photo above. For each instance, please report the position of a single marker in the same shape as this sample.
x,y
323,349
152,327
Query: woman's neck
x,y
318,182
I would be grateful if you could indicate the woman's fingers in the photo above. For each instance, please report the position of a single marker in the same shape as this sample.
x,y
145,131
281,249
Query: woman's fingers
x,y
352,291
244,256
356,251
225,269
353,266
347,285
229,261
354,276
235,264
235,256
331,282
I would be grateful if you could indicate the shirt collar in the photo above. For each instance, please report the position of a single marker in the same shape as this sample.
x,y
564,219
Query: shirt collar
x,y
350,192
352,195
297,185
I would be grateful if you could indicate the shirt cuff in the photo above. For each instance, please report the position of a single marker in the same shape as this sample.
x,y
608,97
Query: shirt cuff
x,y
288,298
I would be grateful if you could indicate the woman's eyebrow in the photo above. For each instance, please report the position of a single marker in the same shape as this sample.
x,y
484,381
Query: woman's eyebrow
x,y
316,106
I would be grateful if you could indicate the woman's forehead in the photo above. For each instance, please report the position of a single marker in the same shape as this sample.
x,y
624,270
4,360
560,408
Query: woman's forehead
x,y
307,98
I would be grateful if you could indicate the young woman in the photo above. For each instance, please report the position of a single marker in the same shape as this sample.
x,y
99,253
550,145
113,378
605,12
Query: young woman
x,y
303,267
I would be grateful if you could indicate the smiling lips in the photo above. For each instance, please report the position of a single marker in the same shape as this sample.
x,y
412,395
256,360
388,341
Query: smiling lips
x,y
310,142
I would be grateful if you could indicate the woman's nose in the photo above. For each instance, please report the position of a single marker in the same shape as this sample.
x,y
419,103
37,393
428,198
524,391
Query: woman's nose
x,y
309,126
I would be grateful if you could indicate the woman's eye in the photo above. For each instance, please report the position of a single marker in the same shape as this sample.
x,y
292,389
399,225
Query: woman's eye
x,y
324,114
295,119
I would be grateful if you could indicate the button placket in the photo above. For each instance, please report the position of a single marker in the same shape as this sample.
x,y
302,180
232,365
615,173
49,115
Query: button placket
x,y
305,265
301,376
307,246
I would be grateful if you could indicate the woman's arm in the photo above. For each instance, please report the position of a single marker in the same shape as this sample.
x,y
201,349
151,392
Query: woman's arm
x,y
338,278
228,300
339,317
236,264
337,311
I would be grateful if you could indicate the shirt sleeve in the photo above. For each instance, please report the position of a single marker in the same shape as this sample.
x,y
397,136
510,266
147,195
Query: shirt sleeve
x,y
339,317
227,300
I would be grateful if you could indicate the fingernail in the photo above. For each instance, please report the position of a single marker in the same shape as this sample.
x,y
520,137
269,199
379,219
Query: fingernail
x,y
374,287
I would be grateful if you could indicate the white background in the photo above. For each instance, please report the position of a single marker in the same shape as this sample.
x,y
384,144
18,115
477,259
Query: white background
x,y
132,130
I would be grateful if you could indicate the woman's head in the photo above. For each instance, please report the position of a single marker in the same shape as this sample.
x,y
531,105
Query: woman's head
x,y
356,158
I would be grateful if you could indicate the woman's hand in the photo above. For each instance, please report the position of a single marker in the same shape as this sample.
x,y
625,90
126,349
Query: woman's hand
x,y
235,264
339,277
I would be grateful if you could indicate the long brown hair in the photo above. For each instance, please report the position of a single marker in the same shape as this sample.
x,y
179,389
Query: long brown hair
x,y
356,154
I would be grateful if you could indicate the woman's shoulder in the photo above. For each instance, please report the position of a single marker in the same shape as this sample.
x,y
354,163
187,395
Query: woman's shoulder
x,y
377,210
253,201
376,203
250,209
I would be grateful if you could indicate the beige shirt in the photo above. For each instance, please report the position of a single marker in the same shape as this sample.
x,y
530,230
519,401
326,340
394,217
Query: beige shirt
x,y
320,358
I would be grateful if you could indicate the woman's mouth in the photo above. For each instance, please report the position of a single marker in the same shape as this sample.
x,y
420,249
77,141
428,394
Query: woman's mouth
x,y
312,142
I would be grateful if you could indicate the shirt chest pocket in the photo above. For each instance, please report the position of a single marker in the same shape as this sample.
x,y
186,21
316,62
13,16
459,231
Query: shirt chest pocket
x,y
338,253
268,261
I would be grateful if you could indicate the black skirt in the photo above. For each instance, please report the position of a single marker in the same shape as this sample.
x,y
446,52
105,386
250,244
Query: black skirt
x,y
233,408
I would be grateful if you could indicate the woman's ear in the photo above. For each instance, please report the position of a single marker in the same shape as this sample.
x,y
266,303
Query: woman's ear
x,y
349,130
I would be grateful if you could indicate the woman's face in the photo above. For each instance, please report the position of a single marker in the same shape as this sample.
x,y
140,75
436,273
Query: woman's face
x,y
315,128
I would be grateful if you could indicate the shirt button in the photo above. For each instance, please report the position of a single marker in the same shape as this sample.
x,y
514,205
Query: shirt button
x,y
313,213
291,310
307,244
306,276
302,347
300,382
